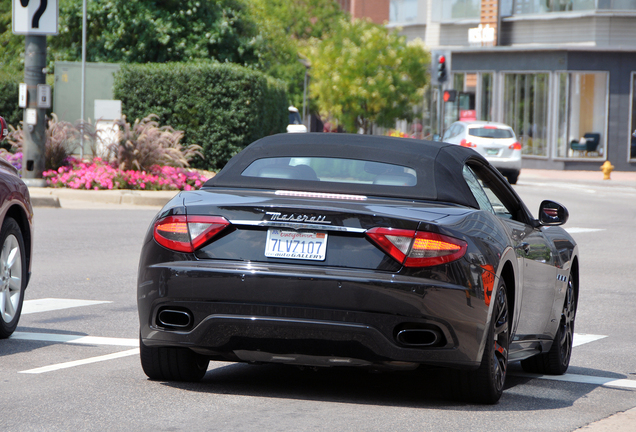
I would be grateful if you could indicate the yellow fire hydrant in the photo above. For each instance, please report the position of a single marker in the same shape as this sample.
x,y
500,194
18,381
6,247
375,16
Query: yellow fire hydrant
x,y
607,169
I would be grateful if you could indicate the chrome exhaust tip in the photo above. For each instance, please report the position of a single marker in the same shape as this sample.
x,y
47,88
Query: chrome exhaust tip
x,y
174,318
418,337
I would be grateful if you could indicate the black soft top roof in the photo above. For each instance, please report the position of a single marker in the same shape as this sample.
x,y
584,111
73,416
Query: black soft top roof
x,y
438,165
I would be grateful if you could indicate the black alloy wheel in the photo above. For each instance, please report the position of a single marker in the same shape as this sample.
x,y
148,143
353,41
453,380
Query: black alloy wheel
x,y
172,363
485,385
557,360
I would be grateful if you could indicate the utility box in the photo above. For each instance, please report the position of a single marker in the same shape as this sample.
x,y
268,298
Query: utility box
x,y
67,96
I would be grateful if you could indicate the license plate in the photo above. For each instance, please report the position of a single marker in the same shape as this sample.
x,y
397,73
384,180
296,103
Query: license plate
x,y
492,152
296,245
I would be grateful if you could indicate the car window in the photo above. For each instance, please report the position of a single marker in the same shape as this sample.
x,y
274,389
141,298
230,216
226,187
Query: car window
x,y
486,196
449,133
490,132
336,170
477,190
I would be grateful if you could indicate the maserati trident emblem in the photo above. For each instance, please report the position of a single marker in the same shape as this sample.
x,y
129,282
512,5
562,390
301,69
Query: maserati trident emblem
x,y
297,217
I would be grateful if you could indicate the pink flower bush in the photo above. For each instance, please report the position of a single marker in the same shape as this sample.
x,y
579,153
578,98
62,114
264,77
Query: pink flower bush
x,y
100,175
14,159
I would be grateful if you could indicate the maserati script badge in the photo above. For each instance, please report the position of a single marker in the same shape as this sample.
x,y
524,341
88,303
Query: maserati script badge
x,y
294,217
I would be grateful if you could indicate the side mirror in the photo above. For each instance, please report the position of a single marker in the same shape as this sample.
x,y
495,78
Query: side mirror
x,y
552,213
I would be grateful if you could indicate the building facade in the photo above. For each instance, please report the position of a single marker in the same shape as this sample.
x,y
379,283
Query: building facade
x,y
562,73
376,10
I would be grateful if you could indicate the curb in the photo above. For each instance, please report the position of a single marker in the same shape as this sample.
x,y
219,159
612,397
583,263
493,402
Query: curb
x,y
53,202
619,422
55,198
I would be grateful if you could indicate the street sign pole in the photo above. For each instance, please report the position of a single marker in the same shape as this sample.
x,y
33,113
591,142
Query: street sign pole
x,y
34,20
34,124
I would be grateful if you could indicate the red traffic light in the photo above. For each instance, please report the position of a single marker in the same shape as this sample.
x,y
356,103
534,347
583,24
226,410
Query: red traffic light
x,y
450,95
441,59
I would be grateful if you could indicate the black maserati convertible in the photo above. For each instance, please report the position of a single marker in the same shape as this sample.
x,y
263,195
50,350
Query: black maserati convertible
x,y
330,250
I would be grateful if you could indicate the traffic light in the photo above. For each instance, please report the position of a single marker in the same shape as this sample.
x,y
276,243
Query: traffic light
x,y
450,95
441,69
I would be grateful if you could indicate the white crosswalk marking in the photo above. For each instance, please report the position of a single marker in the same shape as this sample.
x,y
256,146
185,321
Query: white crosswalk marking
x,y
51,304
75,339
70,364
585,379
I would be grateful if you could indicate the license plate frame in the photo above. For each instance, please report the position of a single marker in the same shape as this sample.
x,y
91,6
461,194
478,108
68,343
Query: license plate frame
x,y
299,245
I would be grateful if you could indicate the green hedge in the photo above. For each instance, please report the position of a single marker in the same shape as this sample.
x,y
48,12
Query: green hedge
x,y
9,108
221,107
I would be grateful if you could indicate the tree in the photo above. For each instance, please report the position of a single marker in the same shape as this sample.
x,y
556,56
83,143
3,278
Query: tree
x,y
363,74
286,26
144,31
11,47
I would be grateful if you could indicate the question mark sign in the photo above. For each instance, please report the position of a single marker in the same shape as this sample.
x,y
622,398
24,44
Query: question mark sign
x,y
35,23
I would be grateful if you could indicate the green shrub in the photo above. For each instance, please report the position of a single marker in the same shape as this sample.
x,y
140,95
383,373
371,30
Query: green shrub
x,y
220,107
9,108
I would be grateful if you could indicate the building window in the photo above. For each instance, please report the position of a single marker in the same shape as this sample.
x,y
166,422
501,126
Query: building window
x,y
632,127
402,11
530,7
485,97
454,10
526,110
616,4
582,114
473,99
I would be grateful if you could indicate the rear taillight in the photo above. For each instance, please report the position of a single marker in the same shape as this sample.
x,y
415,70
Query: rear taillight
x,y
515,146
465,143
187,233
417,248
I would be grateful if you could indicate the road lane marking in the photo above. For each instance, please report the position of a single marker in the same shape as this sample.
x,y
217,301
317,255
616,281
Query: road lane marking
x,y
576,230
582,338
90,360
51,304
75,339
584,379
572,186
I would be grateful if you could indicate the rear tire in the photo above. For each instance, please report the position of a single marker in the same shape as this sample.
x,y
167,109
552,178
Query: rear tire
x,y
557,360
13,276
485,385
172,364
513,177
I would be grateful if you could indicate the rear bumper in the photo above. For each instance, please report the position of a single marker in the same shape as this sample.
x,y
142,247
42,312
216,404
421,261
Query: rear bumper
x,y
238,309
506,164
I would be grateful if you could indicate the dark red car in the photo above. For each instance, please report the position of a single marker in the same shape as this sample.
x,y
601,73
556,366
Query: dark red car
x,y
16,238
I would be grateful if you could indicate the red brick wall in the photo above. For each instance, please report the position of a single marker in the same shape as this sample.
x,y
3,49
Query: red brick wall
x,y
377,10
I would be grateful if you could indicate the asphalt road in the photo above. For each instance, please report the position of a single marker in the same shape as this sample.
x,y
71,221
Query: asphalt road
x,y
91,254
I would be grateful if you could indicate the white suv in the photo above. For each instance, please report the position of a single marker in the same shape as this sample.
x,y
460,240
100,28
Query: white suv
x,y
497,142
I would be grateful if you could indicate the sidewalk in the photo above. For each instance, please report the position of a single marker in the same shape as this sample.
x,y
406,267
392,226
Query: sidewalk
x,y
617,178
72,198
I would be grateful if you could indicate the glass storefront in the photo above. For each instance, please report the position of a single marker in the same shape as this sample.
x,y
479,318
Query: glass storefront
x,y
525,109
582,113
474,98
